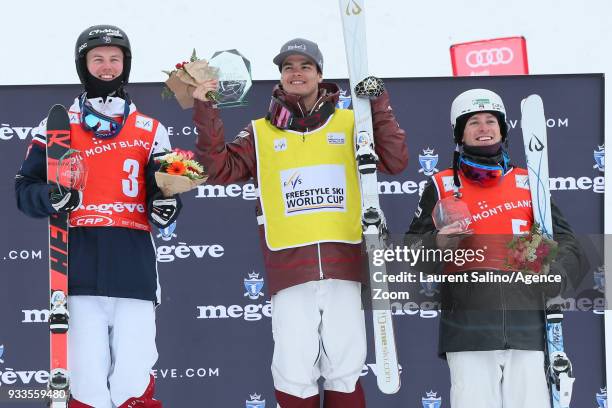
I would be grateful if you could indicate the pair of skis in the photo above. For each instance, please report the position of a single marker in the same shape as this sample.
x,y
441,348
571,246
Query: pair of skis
x,y
533,124
372,218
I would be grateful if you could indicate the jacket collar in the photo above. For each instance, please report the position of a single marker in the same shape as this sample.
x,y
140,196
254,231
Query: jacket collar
x,y
328,93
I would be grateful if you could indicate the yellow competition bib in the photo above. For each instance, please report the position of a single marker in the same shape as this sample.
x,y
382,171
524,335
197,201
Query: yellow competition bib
x,y
308,183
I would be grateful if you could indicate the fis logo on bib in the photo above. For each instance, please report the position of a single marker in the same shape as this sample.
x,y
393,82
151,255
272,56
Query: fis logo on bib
x,y
522,181
431,400
344,101
253,285
293,181
599,156
1,353
428,161
602,398
448,183
255,401
144,123
280,145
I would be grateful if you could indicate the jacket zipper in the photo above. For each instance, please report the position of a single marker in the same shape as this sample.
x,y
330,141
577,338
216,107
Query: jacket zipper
x,y
321,275
503,307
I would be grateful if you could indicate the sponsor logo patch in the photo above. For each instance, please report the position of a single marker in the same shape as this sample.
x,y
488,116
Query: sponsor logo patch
x,y
144,123
336,138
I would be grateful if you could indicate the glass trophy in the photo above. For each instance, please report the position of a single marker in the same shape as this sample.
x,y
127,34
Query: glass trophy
x,y
451,210
234,78
71,172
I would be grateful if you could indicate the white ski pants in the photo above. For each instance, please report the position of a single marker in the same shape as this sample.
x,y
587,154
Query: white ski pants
x,y
498,378
319,330
111,348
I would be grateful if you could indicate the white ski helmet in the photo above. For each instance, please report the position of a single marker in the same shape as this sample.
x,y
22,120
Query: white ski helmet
x,y
475,101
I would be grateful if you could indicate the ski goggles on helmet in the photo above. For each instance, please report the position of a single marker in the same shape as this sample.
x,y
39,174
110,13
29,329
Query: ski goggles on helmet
x,y
103,126
487,175
279,115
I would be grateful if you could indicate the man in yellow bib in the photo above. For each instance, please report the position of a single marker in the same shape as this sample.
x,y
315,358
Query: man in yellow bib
x,y
302,158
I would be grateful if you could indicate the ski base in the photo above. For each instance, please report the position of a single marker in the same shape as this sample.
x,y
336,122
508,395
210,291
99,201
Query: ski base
x,y
560,374
58,144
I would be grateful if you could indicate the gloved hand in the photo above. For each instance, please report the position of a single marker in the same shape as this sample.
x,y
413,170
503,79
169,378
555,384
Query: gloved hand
x,y
164,210
551,289
449,236
554,289
65,201
370,87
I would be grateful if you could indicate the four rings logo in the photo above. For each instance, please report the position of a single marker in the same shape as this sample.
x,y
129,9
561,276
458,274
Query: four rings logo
x,y
487,57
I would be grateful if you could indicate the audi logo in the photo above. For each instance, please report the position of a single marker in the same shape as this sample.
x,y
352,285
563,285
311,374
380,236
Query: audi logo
x,y
491,56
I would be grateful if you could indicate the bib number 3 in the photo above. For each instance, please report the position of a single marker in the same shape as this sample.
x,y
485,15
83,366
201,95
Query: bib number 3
x,y
130,185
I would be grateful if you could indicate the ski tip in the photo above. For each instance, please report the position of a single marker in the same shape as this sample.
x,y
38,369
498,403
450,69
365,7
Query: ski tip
x,y
57,108
533,98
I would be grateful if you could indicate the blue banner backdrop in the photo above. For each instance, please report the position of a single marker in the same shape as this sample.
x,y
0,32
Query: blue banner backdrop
x,y
214,337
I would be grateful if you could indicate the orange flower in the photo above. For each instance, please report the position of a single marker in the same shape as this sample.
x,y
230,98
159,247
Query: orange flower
x,y
176,168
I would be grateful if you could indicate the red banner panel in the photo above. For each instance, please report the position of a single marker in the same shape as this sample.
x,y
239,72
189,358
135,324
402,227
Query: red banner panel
x,y
499,56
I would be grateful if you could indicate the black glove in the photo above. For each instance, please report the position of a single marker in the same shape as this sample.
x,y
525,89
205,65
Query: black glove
x,y
163,211
65,201
554,289
370,87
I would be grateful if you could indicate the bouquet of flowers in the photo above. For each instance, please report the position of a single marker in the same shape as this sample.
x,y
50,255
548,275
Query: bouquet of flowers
x,y
186,76
178,172
531,253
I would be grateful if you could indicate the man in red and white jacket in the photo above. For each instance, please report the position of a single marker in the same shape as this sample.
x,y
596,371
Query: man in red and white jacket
x,y
112,283
302,158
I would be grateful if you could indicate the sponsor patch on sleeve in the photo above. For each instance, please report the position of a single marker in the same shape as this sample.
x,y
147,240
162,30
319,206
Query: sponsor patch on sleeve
x,y
522,181
145,123
449,183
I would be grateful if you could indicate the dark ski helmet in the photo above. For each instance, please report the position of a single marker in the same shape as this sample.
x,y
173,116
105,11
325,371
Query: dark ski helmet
x,y
99,36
